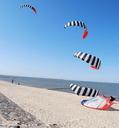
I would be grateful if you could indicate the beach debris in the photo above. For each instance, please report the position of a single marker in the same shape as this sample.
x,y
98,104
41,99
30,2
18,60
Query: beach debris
x,y
29,6
84,91
94,61
99,102
54,126
80,24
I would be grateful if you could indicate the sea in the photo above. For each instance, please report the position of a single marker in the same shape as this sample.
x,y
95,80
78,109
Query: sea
x,y
107,89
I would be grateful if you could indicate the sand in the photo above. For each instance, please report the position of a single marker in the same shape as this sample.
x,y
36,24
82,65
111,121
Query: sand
x,y
63,109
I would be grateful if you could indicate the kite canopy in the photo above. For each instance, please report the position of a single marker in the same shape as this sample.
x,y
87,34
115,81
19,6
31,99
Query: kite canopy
x,y
83,91
78,23
29,6
99,102
94,61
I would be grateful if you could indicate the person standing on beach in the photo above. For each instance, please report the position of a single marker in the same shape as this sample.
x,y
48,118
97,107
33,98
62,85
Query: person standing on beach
x,y
18,83
12,81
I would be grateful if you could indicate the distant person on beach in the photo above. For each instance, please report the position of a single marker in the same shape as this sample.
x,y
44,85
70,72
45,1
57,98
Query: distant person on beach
x,y
18,83
12,81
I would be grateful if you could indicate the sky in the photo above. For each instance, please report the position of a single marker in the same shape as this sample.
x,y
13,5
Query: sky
x,y
37,45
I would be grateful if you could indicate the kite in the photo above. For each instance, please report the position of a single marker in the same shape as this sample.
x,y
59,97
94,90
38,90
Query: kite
x,y
94,61
99,102
83,91
29,6
78,23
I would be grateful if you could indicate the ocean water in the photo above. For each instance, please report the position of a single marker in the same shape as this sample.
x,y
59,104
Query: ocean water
x,y
108,89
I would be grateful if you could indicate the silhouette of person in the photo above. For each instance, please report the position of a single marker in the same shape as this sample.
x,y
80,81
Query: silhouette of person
x,y
12,81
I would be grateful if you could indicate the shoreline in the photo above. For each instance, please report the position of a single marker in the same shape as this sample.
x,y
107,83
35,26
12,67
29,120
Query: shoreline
x,y
12,76
59,108
108,89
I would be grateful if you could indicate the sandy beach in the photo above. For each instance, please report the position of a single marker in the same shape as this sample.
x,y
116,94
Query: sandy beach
x,y
60,109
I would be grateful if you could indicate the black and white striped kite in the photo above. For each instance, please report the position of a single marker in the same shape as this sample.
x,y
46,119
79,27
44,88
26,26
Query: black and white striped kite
x,y
29,6
92,60
78,23
83,91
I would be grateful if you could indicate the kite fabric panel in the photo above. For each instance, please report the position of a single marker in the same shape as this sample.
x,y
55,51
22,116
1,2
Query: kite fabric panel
x,y
83,91
94,61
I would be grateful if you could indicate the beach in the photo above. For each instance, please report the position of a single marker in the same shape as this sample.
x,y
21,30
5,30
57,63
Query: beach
x,y
57,109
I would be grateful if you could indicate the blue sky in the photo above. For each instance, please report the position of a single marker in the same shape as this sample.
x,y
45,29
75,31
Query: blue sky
x,y
39,46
